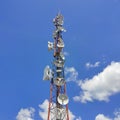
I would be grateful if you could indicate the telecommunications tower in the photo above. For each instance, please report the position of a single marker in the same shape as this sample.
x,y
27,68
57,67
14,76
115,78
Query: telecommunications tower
x,y
58,102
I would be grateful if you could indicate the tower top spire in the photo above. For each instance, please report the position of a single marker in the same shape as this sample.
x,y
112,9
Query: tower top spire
x,y
58,20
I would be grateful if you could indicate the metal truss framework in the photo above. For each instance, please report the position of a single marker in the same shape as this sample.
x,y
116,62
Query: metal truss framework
x,y
58,102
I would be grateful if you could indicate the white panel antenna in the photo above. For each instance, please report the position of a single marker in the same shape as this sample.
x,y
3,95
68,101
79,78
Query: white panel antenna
x,y
50,45
47,73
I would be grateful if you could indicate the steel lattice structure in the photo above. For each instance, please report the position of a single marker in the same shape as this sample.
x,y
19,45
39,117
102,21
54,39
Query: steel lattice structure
x,y
58,102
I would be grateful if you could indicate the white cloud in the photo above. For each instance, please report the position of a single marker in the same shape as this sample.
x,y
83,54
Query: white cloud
x,y
79,118
102,117
26,114
66,53
71,116
89,65
43,112
101,86
117,115
71,74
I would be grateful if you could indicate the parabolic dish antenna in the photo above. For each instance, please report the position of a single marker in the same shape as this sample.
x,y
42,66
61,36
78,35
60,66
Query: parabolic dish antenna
x,y
63,99
59,81
59,63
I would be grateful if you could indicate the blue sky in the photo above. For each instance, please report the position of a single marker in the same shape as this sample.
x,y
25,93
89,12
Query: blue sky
x,y
92,44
